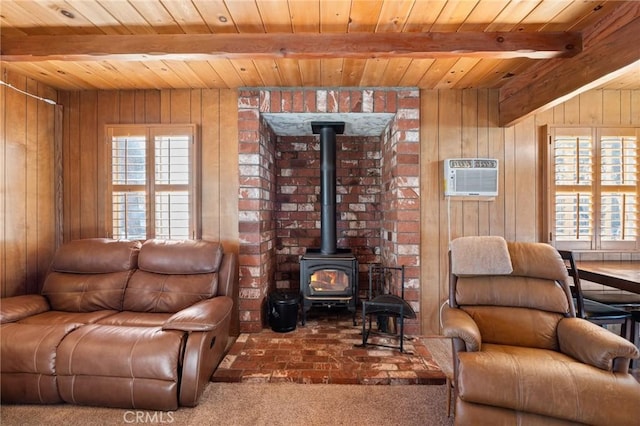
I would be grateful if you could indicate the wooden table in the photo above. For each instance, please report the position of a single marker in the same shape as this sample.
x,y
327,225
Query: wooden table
x,y
622,275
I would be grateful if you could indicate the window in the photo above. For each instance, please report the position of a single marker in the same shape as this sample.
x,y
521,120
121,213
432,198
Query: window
x,y
593,202
152,182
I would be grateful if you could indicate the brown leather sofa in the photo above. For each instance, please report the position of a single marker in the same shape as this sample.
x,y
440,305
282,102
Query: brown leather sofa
x,y
520,354
120,324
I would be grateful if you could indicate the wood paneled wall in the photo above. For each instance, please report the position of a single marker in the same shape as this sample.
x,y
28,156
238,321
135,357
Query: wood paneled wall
x,y
453,123
462,123
27,200
87,113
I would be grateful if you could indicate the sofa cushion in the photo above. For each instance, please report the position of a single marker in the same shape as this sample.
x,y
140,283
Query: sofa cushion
x,y
85,292
60,317
113,366
180,257
151,292
28,354
173,275
137,319
96,256
90,275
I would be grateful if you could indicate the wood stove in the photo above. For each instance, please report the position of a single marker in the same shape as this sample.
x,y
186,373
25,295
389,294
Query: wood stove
x,y
328,275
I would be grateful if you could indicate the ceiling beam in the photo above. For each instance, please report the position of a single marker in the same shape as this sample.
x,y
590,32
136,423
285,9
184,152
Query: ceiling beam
x,y
611,49
499,45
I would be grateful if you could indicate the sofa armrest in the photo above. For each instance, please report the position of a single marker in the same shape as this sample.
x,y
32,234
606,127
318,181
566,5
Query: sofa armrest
x,y
458,324
15,308
594,345
205,315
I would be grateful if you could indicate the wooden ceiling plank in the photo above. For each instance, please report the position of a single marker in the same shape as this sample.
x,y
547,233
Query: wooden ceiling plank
x,y
394,72
436,73
423,16
509,70
227,72
208,75
334,16
305,16
289,72
575,75
187,74
55,17
453,15
216,15
165,74
483,15
310,72
393,16
352,70
364,15
331,72
275,15
122,76
187,16
373,72
579,15
38,72
98,16
509,17
415,72
158,15
127,16
268,71
247,71
459,70
544,13
245,16
301,46
32,23
94,75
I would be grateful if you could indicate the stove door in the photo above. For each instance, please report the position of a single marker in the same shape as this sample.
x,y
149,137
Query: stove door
x,y
329,281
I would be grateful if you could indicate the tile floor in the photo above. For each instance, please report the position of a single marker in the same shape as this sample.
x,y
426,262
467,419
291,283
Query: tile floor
x,y
326,350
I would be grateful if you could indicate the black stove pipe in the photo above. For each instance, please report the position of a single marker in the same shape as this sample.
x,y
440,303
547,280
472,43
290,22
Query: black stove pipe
x,y
327,131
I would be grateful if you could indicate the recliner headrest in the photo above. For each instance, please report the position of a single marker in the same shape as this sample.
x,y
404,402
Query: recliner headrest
x,y
537,260
480,255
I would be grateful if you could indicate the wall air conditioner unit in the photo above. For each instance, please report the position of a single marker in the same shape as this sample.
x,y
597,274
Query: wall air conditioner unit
x,y
475,177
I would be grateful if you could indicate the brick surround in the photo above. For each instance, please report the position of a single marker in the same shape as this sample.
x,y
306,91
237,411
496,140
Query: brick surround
x,y
377,194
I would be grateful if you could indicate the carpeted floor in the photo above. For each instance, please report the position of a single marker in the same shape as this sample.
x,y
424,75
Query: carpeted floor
x,y
255,404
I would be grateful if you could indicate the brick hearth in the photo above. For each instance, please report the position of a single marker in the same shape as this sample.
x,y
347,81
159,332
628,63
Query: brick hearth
x,y
279,206
326,351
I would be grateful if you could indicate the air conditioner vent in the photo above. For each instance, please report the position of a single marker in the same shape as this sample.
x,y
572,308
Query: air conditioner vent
x,y
471,177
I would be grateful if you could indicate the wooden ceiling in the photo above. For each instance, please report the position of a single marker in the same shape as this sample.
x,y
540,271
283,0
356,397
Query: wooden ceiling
x,y
516,46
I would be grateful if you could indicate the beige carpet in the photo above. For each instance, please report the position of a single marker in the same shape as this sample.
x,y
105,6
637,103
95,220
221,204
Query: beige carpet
x,y
264,404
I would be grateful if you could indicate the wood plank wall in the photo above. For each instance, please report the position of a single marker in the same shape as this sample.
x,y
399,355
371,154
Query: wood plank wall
x,y
453,123
27,203
463,123
87,113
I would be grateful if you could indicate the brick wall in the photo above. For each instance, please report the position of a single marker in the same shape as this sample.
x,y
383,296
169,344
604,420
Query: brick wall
x,y
298,201
377,194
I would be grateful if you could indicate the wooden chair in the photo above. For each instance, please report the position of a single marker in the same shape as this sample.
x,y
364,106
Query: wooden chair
x,y
591,310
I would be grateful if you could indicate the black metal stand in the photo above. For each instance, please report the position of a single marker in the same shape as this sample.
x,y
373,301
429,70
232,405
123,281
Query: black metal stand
x,y
384,304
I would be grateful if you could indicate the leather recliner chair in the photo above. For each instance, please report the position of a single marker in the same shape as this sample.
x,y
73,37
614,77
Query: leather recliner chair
x,y
520,354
